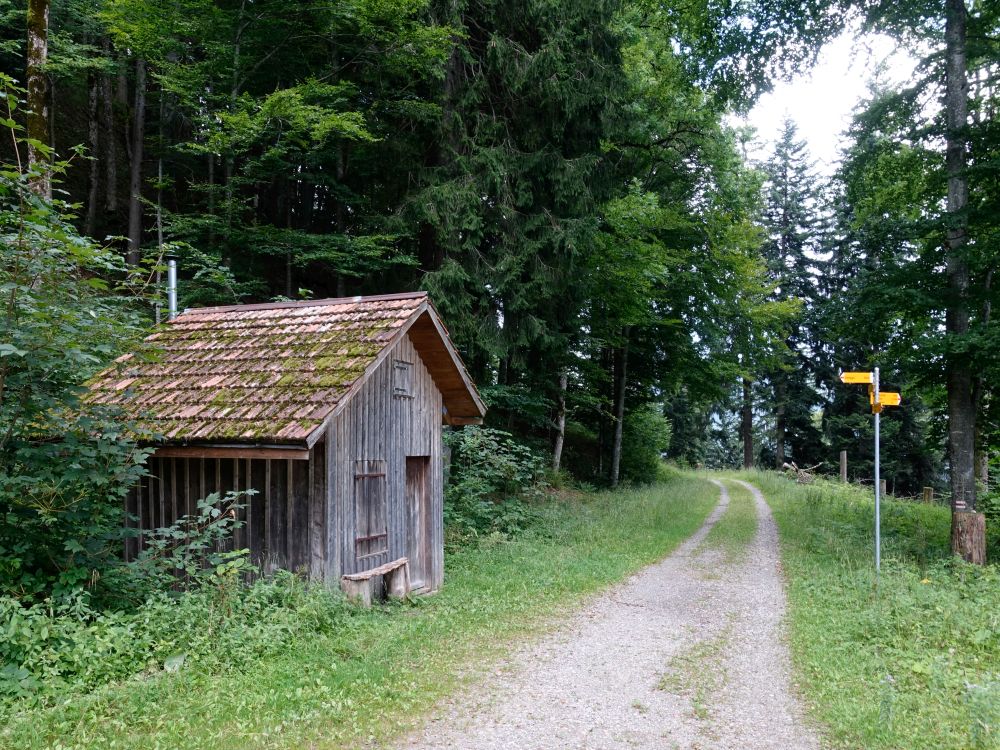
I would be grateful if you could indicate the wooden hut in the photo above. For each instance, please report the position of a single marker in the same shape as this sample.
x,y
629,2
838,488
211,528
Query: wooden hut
x,y
331,410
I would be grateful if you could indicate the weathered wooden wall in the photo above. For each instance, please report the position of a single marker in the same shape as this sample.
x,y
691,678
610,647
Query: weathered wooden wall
x,y
293,522
379,425
284,522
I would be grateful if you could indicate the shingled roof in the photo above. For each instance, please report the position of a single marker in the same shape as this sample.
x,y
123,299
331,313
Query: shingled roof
x,y
272,373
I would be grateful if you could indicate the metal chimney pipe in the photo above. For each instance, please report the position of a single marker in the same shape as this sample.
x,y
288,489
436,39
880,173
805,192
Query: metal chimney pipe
x,y
171,288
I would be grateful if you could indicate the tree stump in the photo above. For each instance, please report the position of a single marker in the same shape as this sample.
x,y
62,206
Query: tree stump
x,y
968,536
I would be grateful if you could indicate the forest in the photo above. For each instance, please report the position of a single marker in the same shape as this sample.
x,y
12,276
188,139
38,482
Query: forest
x,y
567,182
655,301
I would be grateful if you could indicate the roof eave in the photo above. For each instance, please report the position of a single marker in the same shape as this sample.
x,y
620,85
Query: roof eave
x,y
458,419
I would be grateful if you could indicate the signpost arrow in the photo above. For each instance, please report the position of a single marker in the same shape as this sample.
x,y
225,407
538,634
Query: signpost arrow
x,y
878,401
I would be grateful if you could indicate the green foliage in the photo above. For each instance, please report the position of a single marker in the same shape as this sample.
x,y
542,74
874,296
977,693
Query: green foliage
x,y
187,555
908,661
792,220
54,649
65,465
491,480
645,439
295,667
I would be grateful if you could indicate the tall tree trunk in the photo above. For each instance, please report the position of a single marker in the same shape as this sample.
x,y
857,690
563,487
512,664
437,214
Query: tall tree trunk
x,y
110,155
93,137
779,424
746,425
983,467
340,211
229,163
959,376
560,422
135,173
289,220
38,95
621,373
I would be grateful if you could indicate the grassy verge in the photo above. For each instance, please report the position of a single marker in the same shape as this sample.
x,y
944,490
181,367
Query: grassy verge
x,y
913,662
383,669
738,525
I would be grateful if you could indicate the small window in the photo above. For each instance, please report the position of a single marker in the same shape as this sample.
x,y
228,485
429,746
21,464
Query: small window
x,y
402,378
372,536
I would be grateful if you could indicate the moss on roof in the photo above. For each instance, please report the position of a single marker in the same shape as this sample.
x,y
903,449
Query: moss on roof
x,y
262,372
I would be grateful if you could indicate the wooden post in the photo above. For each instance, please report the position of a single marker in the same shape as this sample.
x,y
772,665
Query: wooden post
x,y
883,487
968,534
928,494
843,466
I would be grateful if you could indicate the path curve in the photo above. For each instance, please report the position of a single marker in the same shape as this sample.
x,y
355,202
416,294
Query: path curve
x,y
688,653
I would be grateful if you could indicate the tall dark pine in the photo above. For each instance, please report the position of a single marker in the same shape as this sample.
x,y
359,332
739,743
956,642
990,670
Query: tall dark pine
x,y
517,180
791,225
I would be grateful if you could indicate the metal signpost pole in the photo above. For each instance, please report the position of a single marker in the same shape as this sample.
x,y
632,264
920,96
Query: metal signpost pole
x,y
878,483
878,400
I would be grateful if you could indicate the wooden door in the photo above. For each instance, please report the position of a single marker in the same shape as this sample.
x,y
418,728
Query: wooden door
x,y
418,507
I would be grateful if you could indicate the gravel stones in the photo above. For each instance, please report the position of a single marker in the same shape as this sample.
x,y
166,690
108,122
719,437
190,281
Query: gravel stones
x,y
688,653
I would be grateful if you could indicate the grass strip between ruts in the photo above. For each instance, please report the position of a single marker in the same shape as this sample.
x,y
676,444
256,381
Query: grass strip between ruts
x,y
734,532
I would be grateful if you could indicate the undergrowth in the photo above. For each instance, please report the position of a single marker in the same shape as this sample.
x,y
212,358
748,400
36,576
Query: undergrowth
x,y
911,661
282,664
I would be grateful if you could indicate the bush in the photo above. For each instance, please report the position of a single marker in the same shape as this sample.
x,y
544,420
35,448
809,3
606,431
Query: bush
x,y
65,466
57,647
645,438
491,476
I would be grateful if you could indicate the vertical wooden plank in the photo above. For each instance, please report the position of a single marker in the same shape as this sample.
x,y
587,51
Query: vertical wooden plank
x,y
332,566
317,511
131,501
239,484
196,473
299,545
224,467
268,553
176,472
161,497
142,506
291,557
258,514
150,498
277,512
205,484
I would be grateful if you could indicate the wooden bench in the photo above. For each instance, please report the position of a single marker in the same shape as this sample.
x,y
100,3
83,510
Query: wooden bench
x,y
358,586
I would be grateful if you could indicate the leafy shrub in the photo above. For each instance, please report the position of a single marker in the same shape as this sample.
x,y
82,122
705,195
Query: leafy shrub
x,y
490,478
52,648
64,465
186,555
645,438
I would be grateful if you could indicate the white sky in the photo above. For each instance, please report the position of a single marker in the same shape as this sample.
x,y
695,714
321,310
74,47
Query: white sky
x,y
820,101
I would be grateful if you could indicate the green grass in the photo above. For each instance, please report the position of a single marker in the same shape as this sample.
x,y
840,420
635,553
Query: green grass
x,y
913,662
738,525
698,672
385,667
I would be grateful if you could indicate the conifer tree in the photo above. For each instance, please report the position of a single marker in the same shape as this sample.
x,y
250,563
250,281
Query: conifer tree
x,y
792,226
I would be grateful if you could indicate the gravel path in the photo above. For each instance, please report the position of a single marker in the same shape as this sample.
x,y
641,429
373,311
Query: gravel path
x,y
688,653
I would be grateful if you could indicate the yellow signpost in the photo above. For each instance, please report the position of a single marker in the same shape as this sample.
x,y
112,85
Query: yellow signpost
x,y
878,400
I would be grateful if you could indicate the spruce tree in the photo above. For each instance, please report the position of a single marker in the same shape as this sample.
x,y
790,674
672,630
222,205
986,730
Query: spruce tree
x,y
791,220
